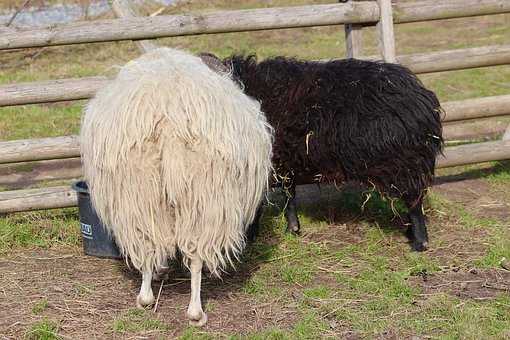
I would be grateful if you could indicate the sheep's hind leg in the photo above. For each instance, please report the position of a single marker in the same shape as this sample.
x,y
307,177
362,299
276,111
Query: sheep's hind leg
x,y
418,229
291,211
145,297
196,315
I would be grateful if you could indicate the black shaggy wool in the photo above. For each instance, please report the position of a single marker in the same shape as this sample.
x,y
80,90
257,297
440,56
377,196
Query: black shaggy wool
x,y
344,120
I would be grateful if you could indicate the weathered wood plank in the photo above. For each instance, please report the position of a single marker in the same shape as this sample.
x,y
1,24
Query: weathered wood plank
x,y
138,28
456,59
123,9
354,40
476,108
50,91
37,199
424,10
39,149
385,34
60,197
474,153
83,88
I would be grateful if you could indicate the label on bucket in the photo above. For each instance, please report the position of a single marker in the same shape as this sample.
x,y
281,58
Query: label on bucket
x,y
86,230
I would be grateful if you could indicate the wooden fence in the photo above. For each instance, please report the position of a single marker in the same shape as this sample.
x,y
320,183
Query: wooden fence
x,y
52,154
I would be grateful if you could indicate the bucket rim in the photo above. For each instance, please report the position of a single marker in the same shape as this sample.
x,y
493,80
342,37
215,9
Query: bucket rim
x,y
80,187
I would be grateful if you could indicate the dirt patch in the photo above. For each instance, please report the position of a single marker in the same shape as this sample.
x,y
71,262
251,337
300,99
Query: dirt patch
x,y
476,196
86,295
477,284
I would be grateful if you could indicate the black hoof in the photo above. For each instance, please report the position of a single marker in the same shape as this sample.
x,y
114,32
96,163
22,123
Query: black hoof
x,y
294,228
420,246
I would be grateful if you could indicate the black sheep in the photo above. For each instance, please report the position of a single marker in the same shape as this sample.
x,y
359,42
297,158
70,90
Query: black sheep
x,y
344,120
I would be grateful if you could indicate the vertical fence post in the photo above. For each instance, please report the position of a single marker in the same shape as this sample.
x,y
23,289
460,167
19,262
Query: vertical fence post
x,y
353,39
123,9
385,31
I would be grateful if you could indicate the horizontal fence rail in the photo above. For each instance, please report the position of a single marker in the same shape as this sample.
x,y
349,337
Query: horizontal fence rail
x,y
458,59
474,153
39,149
50,91
62,197
83,88
137,28
37,199
476,108
404,12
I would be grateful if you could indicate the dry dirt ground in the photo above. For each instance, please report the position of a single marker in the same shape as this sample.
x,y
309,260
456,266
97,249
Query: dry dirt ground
x,y
91,298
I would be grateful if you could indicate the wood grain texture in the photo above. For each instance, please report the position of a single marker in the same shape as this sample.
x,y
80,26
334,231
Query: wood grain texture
x,y
425,10
83,88
124,9
138,28
39,149
457,59
354,40
385,34
474,153
50,91
37,199
476,108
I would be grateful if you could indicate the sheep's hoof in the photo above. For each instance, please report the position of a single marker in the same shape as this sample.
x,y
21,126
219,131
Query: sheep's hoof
x,y
197,320
420,246
294,228
142,302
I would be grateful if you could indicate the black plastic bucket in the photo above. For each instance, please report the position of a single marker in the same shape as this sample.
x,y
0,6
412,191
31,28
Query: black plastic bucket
x,y
96,239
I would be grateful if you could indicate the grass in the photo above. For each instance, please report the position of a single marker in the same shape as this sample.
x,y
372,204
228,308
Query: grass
x,y
137,320
40,306
39,229
43,330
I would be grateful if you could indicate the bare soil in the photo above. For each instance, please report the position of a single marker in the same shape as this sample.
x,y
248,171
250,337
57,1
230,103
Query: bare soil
x,y
477,284
86,294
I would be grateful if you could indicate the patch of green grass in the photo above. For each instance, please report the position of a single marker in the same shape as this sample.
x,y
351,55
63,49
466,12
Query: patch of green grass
x,y
43,330
193,333
38,121
39,229
499,249
296,274
420,263
40,306
447,317
500,173
136,320
318,292
83,289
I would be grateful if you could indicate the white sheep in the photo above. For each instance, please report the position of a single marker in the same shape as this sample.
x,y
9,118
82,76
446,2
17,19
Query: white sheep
x,y
176,158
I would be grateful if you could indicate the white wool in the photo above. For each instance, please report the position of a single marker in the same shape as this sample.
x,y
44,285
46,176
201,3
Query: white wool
x,y
176,157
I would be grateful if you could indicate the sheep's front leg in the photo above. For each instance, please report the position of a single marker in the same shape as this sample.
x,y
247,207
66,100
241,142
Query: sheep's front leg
x,y
253,228
146,297
162,273
418,228
196,315
291,211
